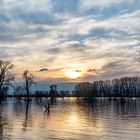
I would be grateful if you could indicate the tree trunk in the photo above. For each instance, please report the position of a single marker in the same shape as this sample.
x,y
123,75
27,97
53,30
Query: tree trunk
x,y
1,94
27,91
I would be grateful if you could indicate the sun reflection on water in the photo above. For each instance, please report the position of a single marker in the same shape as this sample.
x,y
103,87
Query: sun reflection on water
x,y
66,120
73,118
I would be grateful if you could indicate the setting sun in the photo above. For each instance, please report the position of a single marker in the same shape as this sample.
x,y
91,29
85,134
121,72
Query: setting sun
x,y
73,74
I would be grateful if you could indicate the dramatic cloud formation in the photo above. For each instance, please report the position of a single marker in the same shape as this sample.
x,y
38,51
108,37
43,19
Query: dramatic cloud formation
x,y
92,39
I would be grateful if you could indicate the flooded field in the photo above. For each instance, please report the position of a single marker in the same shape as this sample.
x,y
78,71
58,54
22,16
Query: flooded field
x,y
70,119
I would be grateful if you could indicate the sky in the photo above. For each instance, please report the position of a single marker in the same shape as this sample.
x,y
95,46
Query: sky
x,y
71,40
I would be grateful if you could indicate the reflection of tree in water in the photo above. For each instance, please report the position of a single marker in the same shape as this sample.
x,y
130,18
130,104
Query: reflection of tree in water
x,y
27,120
131,107
90,110
104,110
3,121
19,108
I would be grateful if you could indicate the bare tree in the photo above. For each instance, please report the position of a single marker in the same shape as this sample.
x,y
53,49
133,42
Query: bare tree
x,y
6,75
53,91
18,92
29,81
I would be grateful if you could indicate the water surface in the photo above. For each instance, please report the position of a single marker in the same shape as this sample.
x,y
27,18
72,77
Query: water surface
x,y
70,119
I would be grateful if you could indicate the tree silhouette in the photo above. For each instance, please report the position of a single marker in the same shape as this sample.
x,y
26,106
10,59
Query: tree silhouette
x,y
118,87
6,76
29,81
18,92
53,91
84,89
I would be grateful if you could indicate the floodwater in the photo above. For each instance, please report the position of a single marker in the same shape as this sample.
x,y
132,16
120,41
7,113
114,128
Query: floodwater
x,y
70,119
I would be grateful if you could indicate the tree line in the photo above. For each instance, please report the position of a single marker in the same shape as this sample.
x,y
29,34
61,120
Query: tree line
x,y
118,87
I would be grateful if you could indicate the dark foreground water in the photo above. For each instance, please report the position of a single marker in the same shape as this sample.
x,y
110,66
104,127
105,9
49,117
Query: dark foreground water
x,y
70,120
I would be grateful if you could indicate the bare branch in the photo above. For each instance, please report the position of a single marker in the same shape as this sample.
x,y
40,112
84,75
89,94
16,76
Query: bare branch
x,y
6,76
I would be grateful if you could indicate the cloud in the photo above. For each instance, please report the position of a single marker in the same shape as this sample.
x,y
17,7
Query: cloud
x,y
43,70
78,70
27,5
91,70
65,38
119,69
10,52
88,4
53,50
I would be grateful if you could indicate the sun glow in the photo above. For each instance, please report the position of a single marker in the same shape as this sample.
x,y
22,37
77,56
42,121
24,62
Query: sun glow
x,y
73,118
73,74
